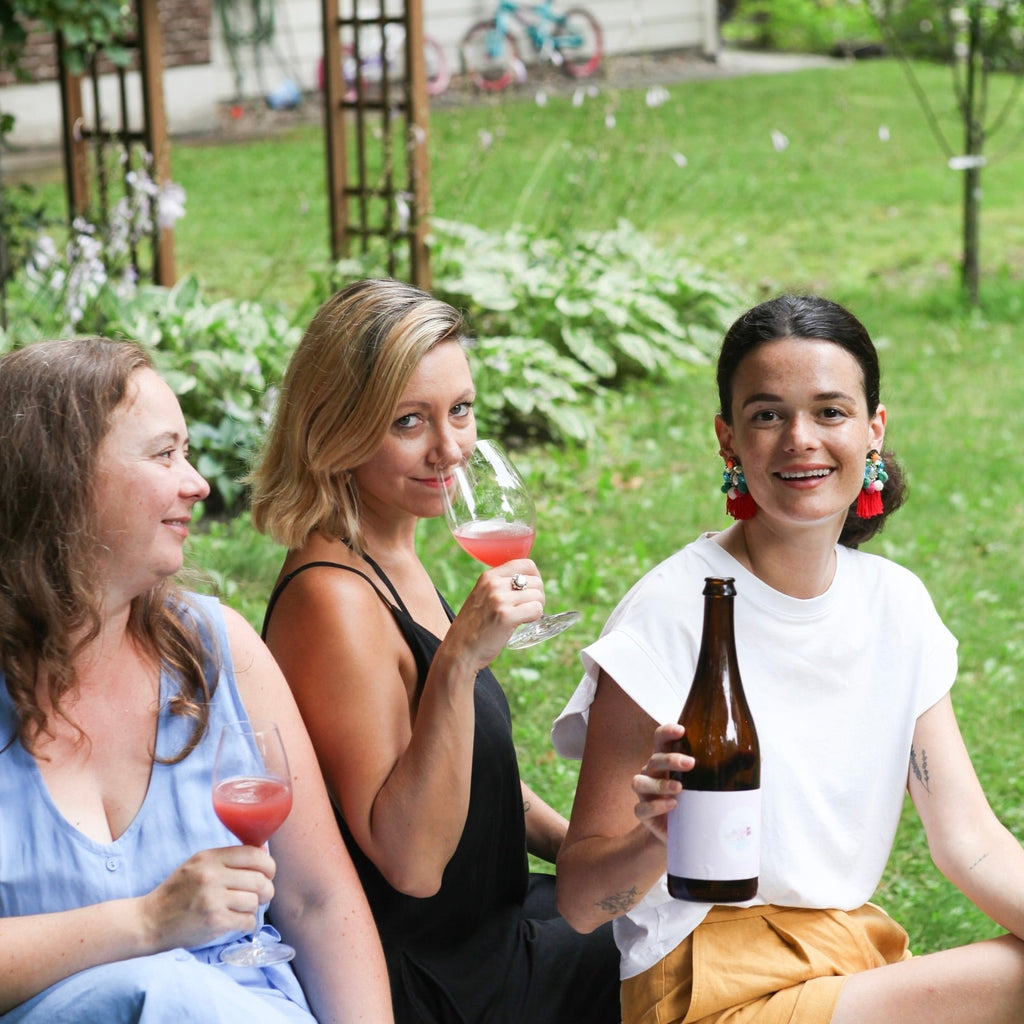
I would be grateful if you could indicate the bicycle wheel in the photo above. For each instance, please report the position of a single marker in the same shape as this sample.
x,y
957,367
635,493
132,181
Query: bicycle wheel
x,y
578,39
490,56
438,74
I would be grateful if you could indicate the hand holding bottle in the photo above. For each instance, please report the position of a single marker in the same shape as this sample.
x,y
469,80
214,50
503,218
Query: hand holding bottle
x,y
654,786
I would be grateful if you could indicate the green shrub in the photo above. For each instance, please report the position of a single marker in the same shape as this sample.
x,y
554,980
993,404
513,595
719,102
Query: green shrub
x,y
801,26
557,324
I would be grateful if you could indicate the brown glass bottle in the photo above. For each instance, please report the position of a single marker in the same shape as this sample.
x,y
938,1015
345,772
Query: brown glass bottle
x,y
714,832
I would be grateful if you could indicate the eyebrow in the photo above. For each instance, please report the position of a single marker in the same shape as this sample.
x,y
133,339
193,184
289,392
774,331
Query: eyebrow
x,y
823,396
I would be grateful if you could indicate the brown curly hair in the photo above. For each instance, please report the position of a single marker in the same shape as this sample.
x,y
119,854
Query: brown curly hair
x,y
56,401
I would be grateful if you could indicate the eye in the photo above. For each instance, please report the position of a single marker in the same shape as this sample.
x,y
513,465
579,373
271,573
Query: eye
x,y
461,409
765,416
832,413
407,422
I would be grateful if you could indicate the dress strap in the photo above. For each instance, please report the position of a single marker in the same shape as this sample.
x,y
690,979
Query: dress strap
x,y
380,572
331,565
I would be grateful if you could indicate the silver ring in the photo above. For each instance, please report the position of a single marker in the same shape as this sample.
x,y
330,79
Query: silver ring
x,y
519,581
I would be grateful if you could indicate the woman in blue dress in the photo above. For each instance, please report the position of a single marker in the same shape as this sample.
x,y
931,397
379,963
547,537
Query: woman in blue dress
x,y
118,885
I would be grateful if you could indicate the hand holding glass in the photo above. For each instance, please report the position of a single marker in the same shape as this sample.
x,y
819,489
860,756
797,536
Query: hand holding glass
x,y
252,795
493,519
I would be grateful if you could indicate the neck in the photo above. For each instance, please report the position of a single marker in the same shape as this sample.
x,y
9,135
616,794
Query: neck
x,y
800,564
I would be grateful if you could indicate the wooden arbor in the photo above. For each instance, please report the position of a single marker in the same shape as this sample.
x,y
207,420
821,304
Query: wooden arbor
x,y
378,179
101,139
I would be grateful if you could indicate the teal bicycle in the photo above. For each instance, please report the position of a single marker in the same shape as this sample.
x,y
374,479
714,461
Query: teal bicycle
x,y
490,50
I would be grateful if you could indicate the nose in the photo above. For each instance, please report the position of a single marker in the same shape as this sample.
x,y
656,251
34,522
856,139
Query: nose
x,y
450,447
193,484
801,435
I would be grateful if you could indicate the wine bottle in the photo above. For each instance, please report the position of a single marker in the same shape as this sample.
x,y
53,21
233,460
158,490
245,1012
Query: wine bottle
x,y
714,831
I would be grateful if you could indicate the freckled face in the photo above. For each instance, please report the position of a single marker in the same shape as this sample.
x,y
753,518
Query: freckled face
x,y
433,425
801,428
145,487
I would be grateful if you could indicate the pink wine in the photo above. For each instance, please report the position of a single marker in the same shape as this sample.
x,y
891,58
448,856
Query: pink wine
x,y
494,541
253,808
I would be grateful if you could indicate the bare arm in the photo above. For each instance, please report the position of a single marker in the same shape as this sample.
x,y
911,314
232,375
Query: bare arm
x,y
211,894
319,904
405,796
545,827
615,847
968,843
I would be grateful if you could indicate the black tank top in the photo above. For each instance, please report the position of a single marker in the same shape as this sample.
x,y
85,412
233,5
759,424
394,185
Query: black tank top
x,y
486,879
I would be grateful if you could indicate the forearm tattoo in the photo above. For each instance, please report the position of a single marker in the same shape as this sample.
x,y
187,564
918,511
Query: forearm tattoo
x,y
919,766
619,903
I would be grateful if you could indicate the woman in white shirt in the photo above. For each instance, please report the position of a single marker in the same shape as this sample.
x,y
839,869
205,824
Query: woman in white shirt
x,y
847,668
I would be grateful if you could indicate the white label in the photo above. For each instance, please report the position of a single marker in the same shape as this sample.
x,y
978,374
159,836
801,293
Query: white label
x,y
715,836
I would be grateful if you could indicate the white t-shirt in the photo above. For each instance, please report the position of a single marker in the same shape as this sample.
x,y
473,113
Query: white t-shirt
x,y
835,685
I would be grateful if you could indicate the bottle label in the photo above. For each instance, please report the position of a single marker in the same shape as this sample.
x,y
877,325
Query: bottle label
x,y
715,836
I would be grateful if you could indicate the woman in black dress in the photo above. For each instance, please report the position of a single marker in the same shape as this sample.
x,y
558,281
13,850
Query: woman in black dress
x,y
411,727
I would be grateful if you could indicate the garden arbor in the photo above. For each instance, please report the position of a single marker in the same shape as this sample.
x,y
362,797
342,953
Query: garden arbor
x,y
114,145
375,125
377,174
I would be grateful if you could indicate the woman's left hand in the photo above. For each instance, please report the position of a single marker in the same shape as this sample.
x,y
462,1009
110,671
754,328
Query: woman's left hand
x,y
654,787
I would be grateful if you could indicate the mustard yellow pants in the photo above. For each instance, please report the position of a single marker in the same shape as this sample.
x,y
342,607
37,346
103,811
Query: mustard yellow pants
x,y
763,965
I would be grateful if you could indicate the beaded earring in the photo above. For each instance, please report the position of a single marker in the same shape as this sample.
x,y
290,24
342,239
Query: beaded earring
x,y
738,503
869,500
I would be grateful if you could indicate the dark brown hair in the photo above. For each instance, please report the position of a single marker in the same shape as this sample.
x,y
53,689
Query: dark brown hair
x,y
812,317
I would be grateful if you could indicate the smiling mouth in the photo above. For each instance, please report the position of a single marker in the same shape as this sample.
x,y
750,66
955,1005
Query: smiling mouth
x,y
808,474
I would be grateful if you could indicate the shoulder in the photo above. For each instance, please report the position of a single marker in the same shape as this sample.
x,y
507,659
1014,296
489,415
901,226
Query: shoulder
x,y
889,581
674,583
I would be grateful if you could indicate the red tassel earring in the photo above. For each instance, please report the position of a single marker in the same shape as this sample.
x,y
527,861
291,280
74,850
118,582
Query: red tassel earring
x,y
869,500
738,503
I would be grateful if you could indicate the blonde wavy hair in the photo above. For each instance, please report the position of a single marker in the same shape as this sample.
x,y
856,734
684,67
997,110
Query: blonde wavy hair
x,y
337,401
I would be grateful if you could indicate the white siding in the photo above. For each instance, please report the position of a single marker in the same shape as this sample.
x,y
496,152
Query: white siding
x,y
193,94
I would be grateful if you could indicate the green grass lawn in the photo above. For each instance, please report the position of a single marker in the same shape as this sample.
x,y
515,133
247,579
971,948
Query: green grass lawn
x,y
860,206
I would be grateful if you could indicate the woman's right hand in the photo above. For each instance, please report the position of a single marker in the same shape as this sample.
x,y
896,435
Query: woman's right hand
x,y
493,609
655,789
213,893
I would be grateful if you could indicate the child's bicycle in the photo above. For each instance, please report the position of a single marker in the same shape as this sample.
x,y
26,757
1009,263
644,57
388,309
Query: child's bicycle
x,y
490,49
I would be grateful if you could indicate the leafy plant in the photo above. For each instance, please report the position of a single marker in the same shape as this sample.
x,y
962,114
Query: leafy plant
x,y
802,26
86,25
582,312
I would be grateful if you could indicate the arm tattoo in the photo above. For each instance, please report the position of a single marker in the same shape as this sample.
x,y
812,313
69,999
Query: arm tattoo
x,y
977,862
619,903
920,769
526,807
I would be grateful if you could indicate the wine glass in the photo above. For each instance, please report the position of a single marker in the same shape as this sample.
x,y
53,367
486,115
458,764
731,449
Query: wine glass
x,y
492,517
252,795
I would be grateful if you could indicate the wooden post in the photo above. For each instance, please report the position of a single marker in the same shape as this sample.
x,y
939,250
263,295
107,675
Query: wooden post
x,y
151,61
76,155
417,130
334,129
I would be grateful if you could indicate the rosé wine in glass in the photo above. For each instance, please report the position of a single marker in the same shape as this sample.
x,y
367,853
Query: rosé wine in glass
x,y
252,796
253,808
492,517
494,541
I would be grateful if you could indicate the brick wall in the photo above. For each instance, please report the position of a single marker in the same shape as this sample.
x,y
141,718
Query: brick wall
x,y
186,32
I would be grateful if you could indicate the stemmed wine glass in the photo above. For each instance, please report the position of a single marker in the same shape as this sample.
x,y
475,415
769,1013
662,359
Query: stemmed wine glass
x,y
252,795
493,519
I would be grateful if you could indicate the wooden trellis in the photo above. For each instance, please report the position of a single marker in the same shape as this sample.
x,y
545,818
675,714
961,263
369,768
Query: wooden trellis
x,y
107,136
378,176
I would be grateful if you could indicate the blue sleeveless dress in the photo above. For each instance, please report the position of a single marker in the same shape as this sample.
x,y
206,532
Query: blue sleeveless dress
x,y
47,865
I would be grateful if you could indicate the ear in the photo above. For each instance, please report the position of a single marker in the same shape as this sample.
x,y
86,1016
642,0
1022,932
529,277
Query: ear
x,y
725,435
877,428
